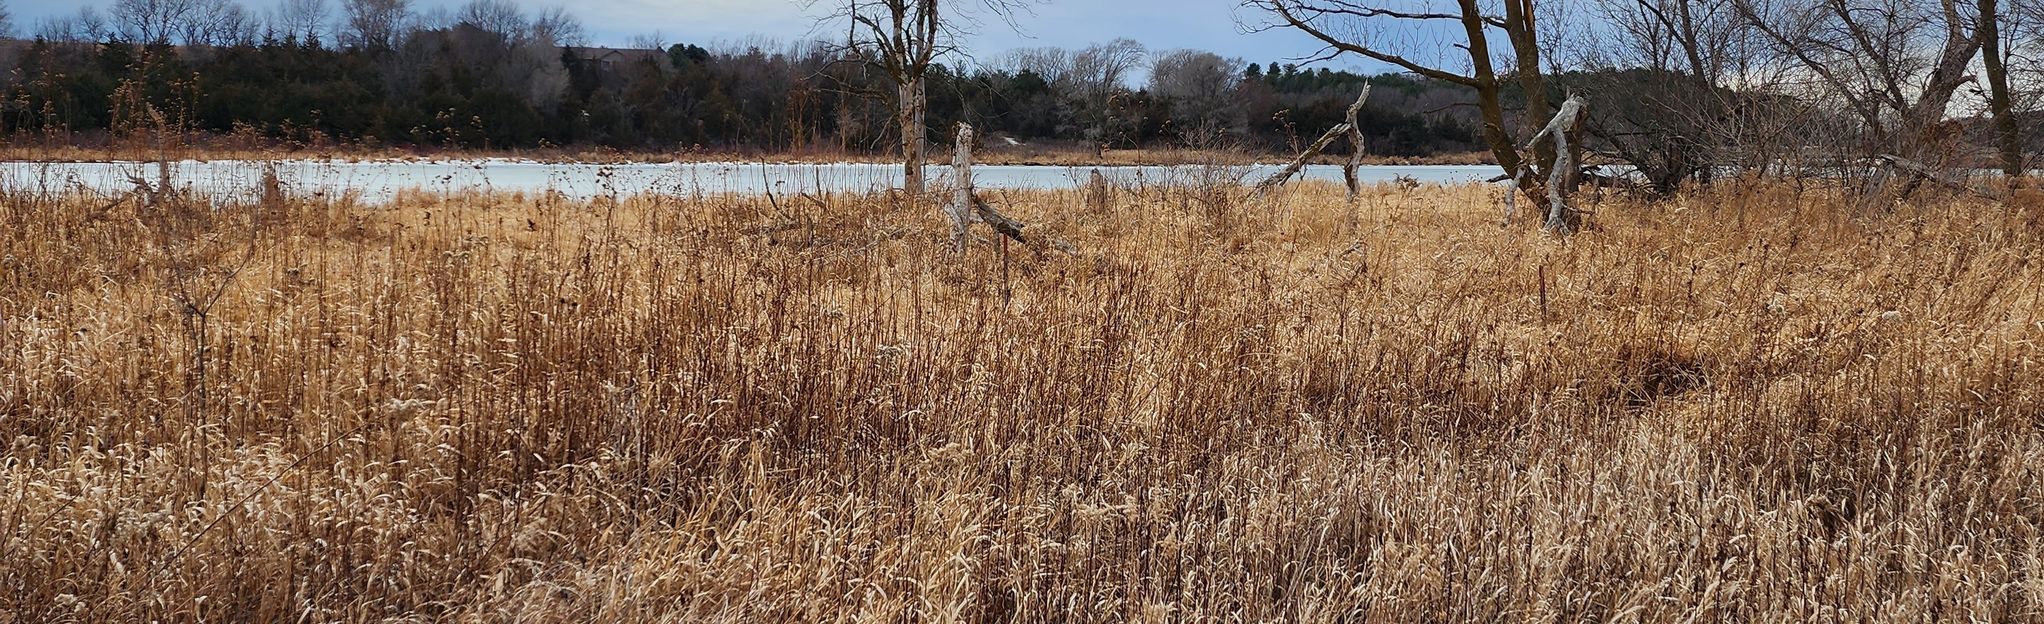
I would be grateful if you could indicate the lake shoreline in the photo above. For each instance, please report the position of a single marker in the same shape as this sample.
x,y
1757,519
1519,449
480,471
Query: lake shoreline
x,y
988,155
384,179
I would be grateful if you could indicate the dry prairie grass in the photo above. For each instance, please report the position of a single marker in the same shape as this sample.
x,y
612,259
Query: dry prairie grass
x,y
1750,406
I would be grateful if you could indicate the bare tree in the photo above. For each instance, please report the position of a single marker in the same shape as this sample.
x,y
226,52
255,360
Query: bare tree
x,y
1360,27
1090,80
84,26
905,38
216,23
304,20
557,26
375,24
1201,86
1053,65
1893,65
6,21
535,59
2021,26
655,40
498,17
151,21
1097,76
1659,76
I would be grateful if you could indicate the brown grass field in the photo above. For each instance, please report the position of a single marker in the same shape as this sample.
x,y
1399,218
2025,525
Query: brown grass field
x,y
1752,405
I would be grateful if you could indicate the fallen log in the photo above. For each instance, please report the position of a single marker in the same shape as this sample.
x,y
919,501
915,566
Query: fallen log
x,y
1011,228
1925,172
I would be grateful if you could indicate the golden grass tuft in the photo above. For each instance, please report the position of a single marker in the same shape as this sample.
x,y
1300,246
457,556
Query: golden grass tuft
x,y
1733,406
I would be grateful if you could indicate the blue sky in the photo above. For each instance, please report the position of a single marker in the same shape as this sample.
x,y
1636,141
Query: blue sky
x,y
1214,25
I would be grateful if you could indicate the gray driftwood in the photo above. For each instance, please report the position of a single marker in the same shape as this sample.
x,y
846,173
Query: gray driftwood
x,y
967,206
1564,129
961,210
1923,171
1355,152
1338,131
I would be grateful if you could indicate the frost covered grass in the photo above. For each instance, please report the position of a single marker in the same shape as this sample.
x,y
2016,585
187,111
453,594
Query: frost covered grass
x,y
1750,405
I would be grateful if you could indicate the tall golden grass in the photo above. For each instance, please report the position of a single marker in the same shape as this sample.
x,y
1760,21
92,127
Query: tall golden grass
x,y
1742,405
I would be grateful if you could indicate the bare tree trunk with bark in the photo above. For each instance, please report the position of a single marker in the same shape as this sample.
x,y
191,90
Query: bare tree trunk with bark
x,y
1954,58
911,116
2008,135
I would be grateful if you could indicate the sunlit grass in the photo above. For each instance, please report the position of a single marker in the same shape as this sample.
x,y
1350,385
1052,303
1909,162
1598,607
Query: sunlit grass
x,y
1732,406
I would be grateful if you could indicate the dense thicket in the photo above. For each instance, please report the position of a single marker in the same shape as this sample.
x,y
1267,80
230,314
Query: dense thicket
x,y
468,87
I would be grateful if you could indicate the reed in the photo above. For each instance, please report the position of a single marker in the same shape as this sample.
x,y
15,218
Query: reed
x,y
1744,405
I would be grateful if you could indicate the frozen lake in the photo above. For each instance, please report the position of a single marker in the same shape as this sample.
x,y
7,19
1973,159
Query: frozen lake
x,y
377,180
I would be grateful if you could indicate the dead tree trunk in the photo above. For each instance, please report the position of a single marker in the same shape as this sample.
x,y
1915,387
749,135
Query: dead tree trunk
x,y
1279,178
961,203
1511,202
1565,132
967,207
1348,170
1098,194
1355,155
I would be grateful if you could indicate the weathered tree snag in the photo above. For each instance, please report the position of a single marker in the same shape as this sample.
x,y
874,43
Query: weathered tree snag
x,y
961,204
1292,169
1355,156
1565,132
967,207
1511,202
1322,19
1098,193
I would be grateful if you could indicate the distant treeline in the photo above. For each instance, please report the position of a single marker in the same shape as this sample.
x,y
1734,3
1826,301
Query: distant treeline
x,y
476,82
